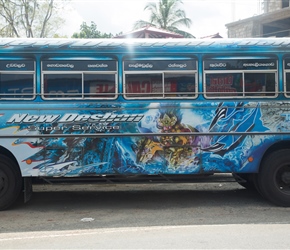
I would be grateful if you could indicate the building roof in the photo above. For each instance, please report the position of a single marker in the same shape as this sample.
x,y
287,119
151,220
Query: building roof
x,y
150,32
217,35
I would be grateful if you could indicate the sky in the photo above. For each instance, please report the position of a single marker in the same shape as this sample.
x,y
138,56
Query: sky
x,y
114,16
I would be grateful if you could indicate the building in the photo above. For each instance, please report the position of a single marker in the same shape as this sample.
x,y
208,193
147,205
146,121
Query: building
x,y
150,32
274,22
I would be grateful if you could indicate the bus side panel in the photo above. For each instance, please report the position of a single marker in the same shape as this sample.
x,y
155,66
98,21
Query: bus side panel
x,y
150,154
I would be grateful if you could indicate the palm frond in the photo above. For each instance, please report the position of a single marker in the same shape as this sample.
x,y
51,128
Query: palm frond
x,y
166,14
141,24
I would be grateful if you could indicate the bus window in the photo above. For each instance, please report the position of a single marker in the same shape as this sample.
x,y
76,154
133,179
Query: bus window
x,y
62,85
287,76
79,79
16,86
17,79
241,77
99,85
179,85
144,85
229,84
259,84
160,79
288,83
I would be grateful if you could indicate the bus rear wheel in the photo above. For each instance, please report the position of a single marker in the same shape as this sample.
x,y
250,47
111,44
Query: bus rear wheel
x,y
274,177
10,182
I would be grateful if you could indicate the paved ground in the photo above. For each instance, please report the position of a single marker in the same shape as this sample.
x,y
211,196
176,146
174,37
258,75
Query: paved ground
x,y
135,211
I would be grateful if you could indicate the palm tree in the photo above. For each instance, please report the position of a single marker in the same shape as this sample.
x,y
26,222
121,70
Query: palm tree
x,y
167,15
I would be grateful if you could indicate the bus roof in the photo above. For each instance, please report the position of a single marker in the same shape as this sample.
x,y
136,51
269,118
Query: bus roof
x,y
121,44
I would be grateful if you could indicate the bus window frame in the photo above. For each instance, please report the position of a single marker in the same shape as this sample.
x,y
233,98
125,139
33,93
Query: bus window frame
x,y
221,94
161,94
103,94
26,72
285,72
44,94
242,94
162,72
82,72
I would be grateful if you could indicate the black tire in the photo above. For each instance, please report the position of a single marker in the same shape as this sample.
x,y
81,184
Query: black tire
x,y
274,177
10,182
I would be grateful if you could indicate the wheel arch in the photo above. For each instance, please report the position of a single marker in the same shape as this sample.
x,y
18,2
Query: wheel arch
x,y
8,153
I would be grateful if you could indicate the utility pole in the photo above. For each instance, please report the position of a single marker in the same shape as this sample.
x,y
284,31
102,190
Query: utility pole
x,y
233,5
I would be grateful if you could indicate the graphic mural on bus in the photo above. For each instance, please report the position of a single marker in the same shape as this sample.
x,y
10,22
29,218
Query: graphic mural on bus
x,y
150,154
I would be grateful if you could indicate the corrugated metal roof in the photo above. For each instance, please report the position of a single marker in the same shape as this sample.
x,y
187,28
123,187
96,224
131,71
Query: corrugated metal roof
x,y
41,43
151,31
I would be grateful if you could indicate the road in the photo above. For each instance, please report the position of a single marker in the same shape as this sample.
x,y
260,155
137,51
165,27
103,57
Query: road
x,y
145,216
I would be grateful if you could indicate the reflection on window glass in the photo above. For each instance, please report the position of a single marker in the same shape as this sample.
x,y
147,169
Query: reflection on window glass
x,y
99,85
144,85
225,84
260,84
62,85
238,84
178,85
16,86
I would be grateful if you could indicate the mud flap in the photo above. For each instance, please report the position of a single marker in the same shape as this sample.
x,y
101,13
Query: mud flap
x,y
27,188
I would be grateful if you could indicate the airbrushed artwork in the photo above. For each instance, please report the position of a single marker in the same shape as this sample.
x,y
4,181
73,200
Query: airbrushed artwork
x,y
156,151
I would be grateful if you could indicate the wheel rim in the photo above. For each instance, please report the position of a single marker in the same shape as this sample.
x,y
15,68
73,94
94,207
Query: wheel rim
x,y
3,183
282,177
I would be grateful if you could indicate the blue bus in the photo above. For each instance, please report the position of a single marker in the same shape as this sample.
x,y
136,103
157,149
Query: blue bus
x,y
122,110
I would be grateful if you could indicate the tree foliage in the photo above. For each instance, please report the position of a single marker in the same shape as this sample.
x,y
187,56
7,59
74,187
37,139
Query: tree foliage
x,y
166,14
90,31
30,18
